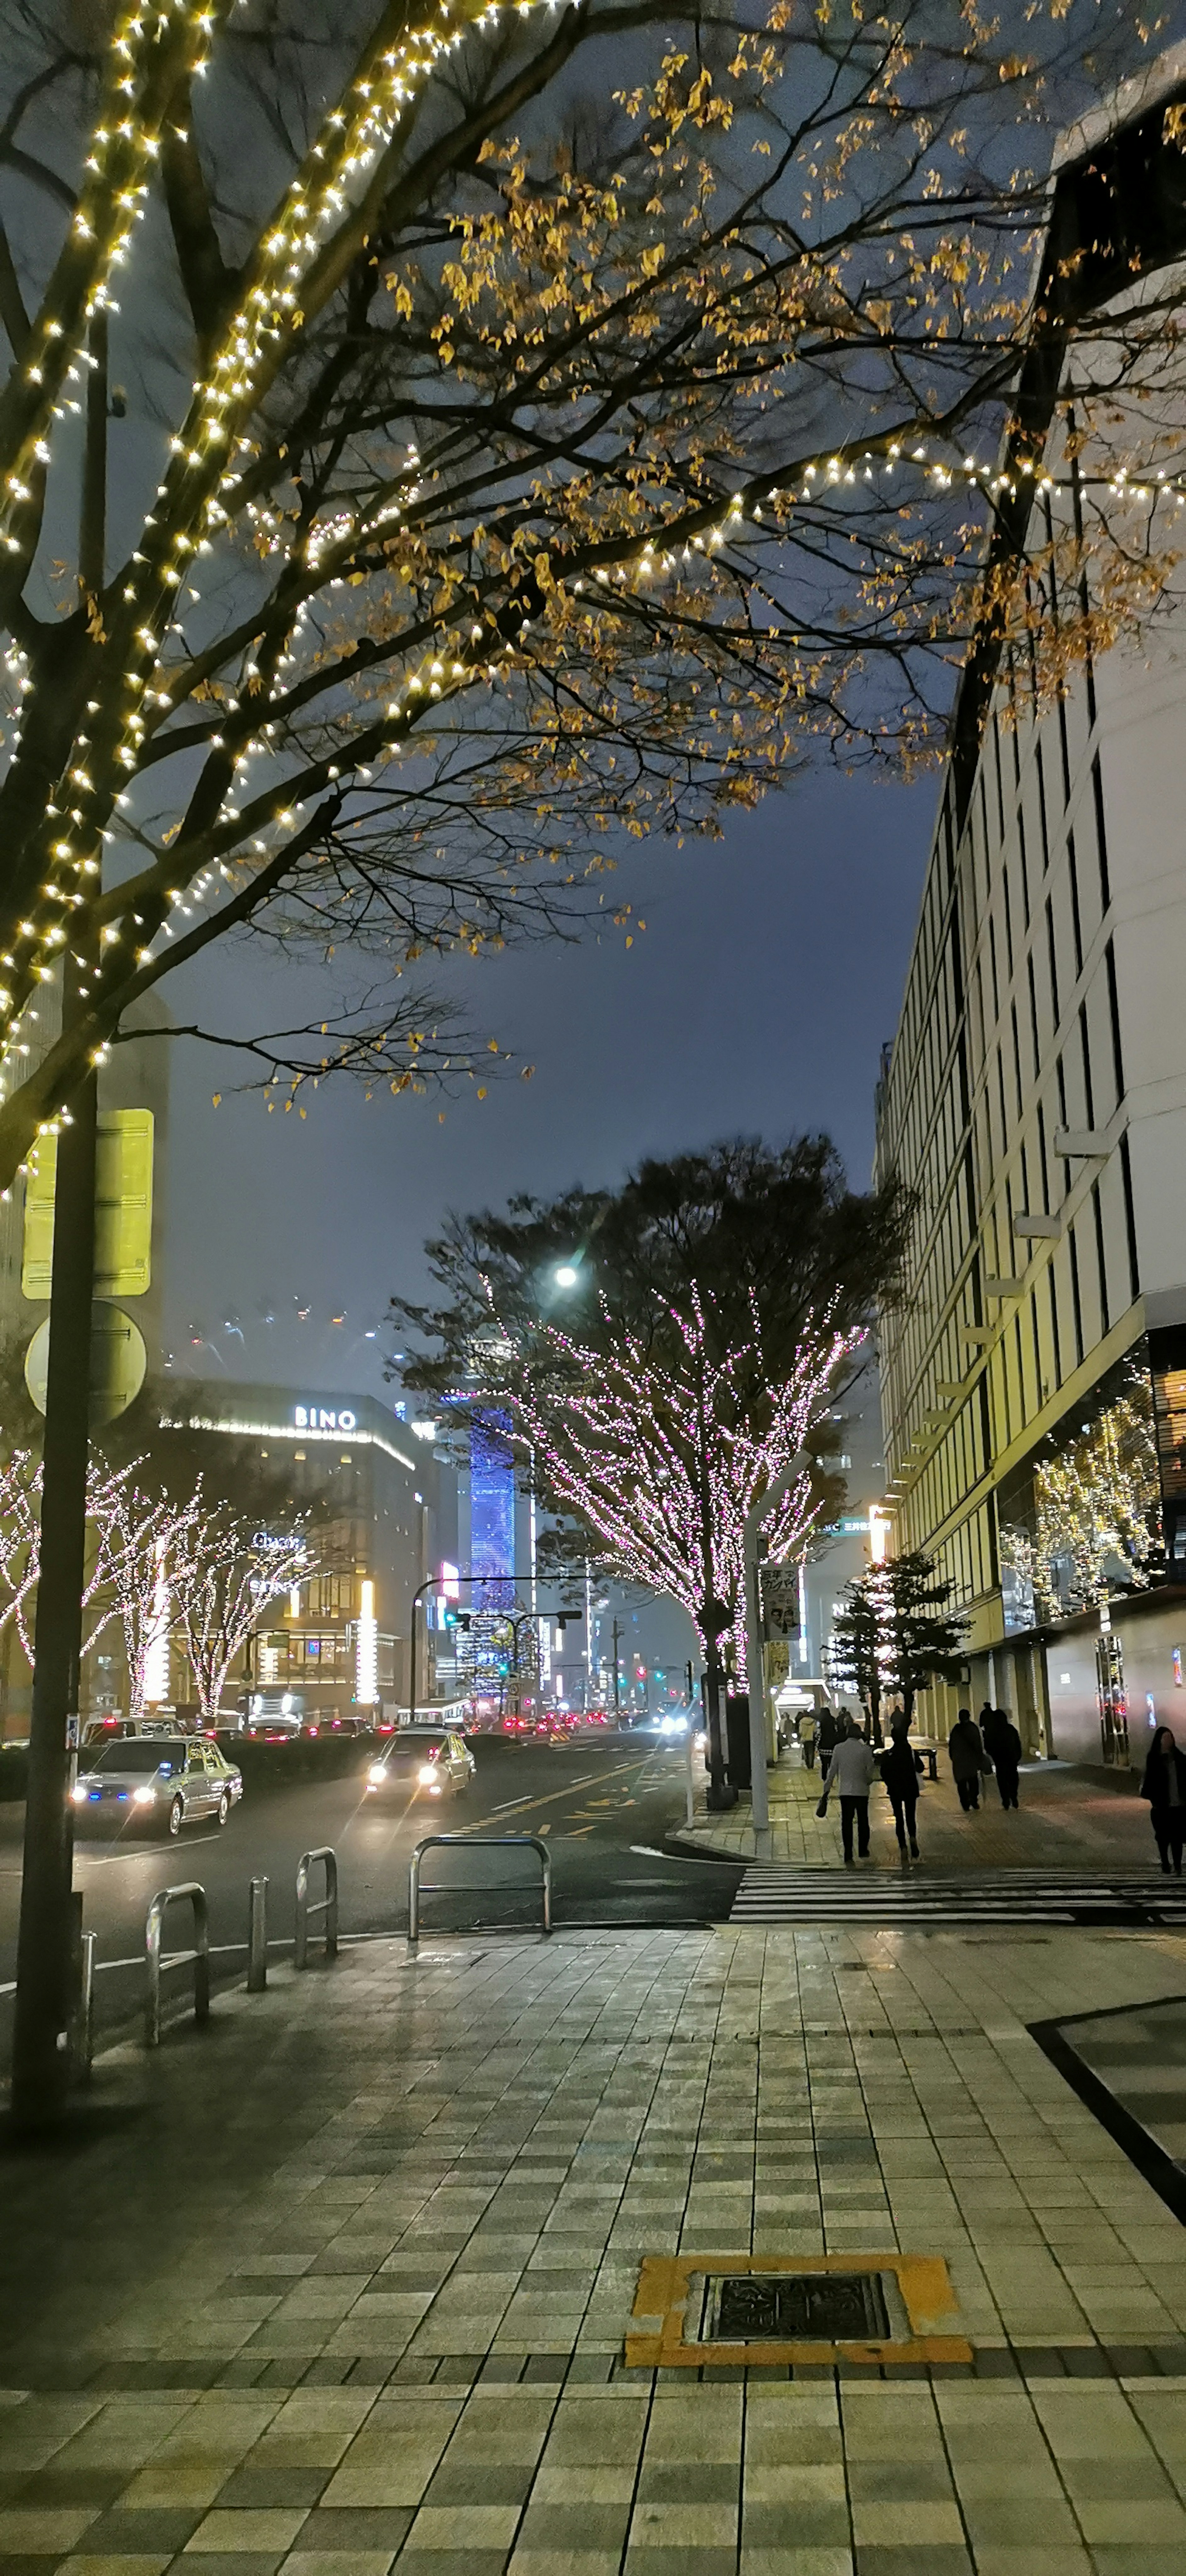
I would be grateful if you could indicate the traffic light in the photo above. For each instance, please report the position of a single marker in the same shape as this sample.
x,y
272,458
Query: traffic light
x,y
570,1619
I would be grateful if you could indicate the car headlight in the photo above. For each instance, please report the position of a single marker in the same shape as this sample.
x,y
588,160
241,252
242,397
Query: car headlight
x,y
143,1797
428,1775
80,1793
377,1774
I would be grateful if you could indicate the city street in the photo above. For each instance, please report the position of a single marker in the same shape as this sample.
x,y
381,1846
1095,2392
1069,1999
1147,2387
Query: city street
x,y
604,1809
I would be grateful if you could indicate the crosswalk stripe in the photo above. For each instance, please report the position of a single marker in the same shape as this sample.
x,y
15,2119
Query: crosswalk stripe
x,y
810,1896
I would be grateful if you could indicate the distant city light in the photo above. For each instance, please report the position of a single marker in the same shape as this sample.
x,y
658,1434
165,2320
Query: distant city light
x,y
366,1651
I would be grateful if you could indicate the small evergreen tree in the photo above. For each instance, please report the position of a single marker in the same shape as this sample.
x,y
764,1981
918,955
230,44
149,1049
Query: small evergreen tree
x,y
898,1630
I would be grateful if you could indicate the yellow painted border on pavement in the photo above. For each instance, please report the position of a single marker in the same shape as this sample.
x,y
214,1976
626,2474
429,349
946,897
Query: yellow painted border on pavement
x,y
664,2287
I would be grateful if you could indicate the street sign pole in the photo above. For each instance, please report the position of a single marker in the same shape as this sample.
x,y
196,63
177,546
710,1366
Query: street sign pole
x,y
46,1940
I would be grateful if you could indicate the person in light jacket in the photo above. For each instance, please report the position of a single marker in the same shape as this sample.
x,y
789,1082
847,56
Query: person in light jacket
x,y
807,1737
1164,1785
968,1761
852,1772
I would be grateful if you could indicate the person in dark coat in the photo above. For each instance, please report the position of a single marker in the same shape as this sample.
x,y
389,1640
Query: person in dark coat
x,y
968,1764
1164,1785
825,1735
900,1767
1004,1750
988,1720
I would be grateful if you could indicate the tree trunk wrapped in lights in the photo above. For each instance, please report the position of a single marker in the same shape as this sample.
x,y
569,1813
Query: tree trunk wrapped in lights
x,y
148,1537
550,423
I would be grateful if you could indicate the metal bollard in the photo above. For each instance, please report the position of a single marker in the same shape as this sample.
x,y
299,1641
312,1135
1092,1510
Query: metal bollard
x,y
198,1958
327,1905
257,1937
82,2029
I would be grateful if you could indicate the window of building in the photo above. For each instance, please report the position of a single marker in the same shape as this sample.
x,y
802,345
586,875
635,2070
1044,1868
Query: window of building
x,y
1076,1300
1114,1019
1052,956
1085,1050
1101,837
1073,880
1043,827
1097,1215
1130,1222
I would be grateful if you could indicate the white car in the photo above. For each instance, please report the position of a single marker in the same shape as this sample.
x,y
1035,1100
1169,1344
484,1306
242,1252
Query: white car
x,y
161,1781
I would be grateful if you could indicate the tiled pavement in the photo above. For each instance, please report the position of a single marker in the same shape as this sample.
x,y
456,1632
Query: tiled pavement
x,y
340,2284
1067,1819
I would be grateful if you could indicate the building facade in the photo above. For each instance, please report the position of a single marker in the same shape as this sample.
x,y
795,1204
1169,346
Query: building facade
x,y
382,1517
1034,1102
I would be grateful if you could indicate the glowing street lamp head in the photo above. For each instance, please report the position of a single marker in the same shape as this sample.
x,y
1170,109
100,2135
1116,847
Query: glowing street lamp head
x,y
567,1276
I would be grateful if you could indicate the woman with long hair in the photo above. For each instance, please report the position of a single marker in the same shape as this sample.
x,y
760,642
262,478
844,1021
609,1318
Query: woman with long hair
x,y
1164,1785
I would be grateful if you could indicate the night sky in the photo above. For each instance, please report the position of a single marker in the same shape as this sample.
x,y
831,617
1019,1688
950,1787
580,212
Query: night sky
x,y
757,999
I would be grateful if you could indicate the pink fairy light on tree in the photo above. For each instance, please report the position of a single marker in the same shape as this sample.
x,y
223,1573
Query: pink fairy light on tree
x,y
664,1459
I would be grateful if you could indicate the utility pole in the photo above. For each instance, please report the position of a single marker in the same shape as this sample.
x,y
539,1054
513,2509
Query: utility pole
x,y
46,1941
616,1633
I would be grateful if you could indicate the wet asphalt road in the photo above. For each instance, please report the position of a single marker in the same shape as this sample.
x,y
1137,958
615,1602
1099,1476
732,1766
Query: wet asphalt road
x,y
603,1807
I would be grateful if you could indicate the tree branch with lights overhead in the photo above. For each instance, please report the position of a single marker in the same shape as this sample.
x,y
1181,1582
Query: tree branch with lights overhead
x,y
553,427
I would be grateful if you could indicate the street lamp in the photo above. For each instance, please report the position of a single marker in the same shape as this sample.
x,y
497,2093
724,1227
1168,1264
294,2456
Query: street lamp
x,y
567,1276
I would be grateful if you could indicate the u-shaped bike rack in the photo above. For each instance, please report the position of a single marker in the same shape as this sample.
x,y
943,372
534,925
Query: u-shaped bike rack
x,y
198,1958
484,1842
326,1905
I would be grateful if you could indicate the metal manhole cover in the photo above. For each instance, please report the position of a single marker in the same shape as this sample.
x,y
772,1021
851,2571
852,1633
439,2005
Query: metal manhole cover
x,y
797,2307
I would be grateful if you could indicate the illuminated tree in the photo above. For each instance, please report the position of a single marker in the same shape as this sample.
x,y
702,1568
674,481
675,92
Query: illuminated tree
x,y
147,1538
543,425
1098,1501
663,1458
713,1297
113,1521
222,1576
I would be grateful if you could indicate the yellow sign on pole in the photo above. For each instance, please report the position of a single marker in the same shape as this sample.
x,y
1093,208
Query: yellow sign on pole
x,y
123,1207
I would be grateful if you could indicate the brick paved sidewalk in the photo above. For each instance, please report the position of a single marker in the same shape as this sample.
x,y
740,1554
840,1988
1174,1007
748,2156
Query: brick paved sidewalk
x,y
1067,1819
340,2284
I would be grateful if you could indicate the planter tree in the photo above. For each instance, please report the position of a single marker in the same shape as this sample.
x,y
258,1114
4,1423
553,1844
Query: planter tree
x,y
524,428
898,1631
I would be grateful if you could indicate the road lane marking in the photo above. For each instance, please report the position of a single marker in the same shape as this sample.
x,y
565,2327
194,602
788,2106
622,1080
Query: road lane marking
x,y
516,1805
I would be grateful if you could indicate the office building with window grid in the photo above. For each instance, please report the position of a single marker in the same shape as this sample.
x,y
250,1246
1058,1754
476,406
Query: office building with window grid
x,y
1034,1102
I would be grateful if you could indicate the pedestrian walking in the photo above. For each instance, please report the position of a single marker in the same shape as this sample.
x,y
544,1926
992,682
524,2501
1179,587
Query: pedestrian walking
x,y
826,1732
851,1772
807,1725
969,1761
900,1767
1164,1785
1004,1751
